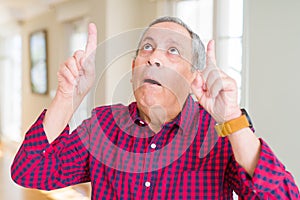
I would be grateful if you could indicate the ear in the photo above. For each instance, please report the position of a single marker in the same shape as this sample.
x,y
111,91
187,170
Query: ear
x,y
133,64
132,67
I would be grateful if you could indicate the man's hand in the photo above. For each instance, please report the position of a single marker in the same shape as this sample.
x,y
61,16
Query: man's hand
x,y
216,91
76,76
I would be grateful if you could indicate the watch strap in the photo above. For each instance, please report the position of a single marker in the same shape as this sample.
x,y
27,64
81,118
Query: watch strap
x,y
232,126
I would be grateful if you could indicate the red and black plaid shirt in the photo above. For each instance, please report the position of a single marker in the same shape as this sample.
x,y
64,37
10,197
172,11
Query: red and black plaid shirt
x,y
123,159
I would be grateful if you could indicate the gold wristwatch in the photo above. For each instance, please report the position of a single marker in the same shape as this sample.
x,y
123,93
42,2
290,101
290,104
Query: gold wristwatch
x,y
234,125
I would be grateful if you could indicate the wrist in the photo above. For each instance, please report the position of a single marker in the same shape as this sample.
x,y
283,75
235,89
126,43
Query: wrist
x,y
63,103
57,116
61,94
228,127
233,115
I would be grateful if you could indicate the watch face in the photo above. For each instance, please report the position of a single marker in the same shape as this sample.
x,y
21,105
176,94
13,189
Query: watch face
x,y
244,112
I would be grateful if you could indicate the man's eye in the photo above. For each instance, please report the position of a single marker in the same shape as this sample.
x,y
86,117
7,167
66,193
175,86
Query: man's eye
x,y
148,47
173,51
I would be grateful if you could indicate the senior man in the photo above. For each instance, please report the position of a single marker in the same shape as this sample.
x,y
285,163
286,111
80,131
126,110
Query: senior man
x,y
165,145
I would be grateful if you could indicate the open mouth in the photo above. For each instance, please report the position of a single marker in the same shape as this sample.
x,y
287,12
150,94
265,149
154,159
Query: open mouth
x,y
151,81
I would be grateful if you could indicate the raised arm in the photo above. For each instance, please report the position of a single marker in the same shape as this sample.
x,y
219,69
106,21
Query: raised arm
x,y
75,78
217,93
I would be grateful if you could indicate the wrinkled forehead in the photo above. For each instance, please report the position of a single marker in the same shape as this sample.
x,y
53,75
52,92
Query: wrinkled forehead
x,y
168,31
172,27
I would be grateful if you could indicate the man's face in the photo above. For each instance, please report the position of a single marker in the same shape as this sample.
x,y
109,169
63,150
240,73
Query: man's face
x,y
162,69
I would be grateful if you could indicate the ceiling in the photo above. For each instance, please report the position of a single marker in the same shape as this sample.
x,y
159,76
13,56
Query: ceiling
x,y
12,12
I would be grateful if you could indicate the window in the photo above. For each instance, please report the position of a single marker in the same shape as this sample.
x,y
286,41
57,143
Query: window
x,y
198,14
223,21
11,87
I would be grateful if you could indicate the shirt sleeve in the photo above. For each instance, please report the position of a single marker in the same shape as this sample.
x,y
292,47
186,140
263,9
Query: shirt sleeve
x,y
270,179
62,163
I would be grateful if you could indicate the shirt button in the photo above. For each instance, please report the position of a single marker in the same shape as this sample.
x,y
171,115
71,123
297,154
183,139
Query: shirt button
x,y
44,151
147,184
153,146
141,122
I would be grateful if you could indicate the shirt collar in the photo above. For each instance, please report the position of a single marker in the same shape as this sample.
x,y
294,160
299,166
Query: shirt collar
x,y
186,119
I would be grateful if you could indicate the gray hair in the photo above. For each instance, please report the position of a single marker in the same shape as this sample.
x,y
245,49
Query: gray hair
x,y
198,49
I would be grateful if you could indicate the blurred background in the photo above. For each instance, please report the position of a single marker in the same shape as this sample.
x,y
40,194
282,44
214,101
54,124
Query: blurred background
x,y
257,43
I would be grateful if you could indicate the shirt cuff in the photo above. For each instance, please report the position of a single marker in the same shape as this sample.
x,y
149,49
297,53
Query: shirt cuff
x,y
36,142
268,174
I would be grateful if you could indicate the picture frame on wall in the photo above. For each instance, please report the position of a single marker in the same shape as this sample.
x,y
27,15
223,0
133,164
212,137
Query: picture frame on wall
x,y
38,62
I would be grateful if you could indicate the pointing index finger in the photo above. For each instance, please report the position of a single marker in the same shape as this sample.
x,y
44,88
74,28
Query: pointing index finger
x,y
210,59
210,54
92,39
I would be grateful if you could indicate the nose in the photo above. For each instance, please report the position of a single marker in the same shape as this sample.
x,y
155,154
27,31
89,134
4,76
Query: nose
x,y
155,59
154,63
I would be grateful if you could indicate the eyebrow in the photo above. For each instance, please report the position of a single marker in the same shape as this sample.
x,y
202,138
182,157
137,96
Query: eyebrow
x,y
148,38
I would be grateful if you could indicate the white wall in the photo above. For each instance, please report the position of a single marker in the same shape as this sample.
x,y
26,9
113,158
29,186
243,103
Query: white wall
x,y
124,25
274,76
